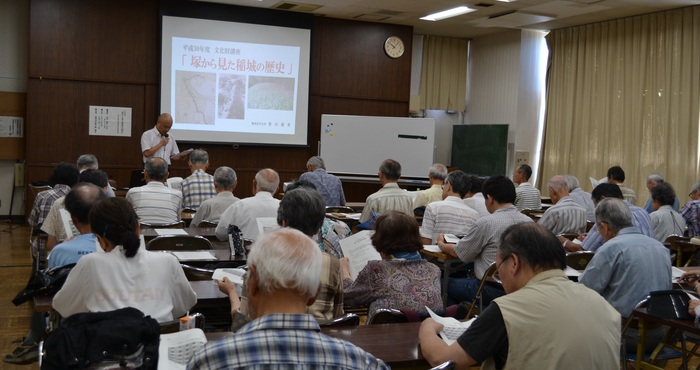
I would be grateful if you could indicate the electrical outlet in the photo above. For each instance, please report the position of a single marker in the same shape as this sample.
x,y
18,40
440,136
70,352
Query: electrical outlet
x,y
19,174
522,157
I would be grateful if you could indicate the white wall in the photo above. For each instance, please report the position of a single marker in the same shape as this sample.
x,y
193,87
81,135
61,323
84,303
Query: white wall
x,y
14,36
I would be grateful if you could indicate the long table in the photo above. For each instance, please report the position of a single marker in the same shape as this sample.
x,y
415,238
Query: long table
x,y
395,344
644,320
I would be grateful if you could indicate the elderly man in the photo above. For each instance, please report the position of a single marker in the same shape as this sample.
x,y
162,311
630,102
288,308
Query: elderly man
x,y
89,162
479,246
450,215
592,240
565,216
526,195
691,211
436,175
64,176
246,212
664,219
328,185
282,281
154,202
474,198
628,266
156,142
199,186
581,197
653,180
390,197
531,327
617,176
225,182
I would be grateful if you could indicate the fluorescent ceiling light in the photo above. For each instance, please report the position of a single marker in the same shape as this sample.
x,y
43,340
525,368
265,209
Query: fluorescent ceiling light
x,y
448,13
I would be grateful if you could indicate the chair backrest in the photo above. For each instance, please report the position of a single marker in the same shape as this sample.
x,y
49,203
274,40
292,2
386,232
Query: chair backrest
x,y
197,274
178,243
137,178
579,260
339,209
477,297
175,225
387,316
349,319
448,365
570,236
36,189
205,223
174,183
589,225
189,210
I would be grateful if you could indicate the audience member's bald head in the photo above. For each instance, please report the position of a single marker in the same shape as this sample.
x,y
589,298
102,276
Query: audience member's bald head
x,y
80,200
156,169
267,180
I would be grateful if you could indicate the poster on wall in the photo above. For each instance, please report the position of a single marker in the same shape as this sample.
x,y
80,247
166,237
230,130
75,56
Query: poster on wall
x,y
11,126
109,121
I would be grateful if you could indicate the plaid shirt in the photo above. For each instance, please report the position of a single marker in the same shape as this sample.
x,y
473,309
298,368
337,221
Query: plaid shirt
x,y
197,188
282,341
43,202
690,214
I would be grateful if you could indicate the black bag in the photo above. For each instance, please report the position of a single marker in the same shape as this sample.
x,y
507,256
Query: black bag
x,y
124,337
669,304
236,240
44,282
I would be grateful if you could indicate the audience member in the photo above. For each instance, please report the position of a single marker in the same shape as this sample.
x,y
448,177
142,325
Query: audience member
x,y
627,267
64,176
450,215
653,180
282,280
691,211
474,199
581,197
617,176
526,195
156,142
436,175
225,182
245,212
390,197
664,219
402,280
592,240
199,186
127,275
89,162
565,216
154,202
691,278
328,185
532,326
479,246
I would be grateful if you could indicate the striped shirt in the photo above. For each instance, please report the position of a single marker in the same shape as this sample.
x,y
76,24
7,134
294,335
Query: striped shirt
x,y
449,216
640,219
667,222
282,341
690,213
583,198
564,217
389,198
155,203
480,244
197,188
527,197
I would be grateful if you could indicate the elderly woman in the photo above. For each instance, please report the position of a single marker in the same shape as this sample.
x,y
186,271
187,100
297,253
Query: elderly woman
x,y
402,279
126,275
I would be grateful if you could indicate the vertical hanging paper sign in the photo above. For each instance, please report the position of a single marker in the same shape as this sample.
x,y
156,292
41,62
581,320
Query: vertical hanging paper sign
x,y
110,121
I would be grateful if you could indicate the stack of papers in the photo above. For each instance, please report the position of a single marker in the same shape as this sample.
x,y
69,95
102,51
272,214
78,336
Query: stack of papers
x,y
176,349
194,256
171,232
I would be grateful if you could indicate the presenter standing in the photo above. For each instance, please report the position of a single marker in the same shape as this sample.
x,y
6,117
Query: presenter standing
x,y
158,143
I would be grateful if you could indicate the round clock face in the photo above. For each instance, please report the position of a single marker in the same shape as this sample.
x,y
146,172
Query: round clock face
x,y
393,46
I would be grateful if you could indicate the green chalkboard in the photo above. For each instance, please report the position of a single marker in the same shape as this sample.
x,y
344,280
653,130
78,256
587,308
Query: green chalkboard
x,y
480,149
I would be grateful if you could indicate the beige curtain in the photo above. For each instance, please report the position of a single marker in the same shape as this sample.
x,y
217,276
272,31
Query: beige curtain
x,y
625,92
443,83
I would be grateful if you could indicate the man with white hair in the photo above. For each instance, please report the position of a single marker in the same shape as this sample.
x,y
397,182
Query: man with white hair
x,y
565,216
199,186
89,162
436,175
328,185
154,202
225,182
581,197
653,180
282,280
450,215
245,212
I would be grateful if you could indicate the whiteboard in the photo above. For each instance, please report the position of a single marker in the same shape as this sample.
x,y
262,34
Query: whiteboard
x,y
359,144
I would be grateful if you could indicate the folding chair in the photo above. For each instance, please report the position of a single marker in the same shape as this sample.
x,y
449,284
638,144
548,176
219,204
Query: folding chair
x,y
197,274
387,316
478,298
579,260
349,319
174,225
206,223
339,209
178,243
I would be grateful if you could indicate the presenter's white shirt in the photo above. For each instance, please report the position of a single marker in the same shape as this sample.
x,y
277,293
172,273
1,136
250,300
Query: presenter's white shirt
x,y
151,138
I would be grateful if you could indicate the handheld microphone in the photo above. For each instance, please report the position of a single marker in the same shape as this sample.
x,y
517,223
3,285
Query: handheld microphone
x,y
166,135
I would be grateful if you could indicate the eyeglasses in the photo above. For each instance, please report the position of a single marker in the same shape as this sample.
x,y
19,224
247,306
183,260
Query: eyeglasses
x,y
496,275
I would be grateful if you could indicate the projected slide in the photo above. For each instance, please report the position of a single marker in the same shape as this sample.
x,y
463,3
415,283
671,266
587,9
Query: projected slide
x,y
235,90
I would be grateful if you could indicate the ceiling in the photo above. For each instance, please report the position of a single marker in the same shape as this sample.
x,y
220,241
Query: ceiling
x,y
490,17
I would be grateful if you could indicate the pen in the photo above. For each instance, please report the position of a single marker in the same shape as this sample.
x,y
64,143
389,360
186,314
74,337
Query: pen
x,y
687,277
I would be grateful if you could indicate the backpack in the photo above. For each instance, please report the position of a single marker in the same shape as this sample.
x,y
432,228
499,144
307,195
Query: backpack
x,y
123,337
44,282
235,238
